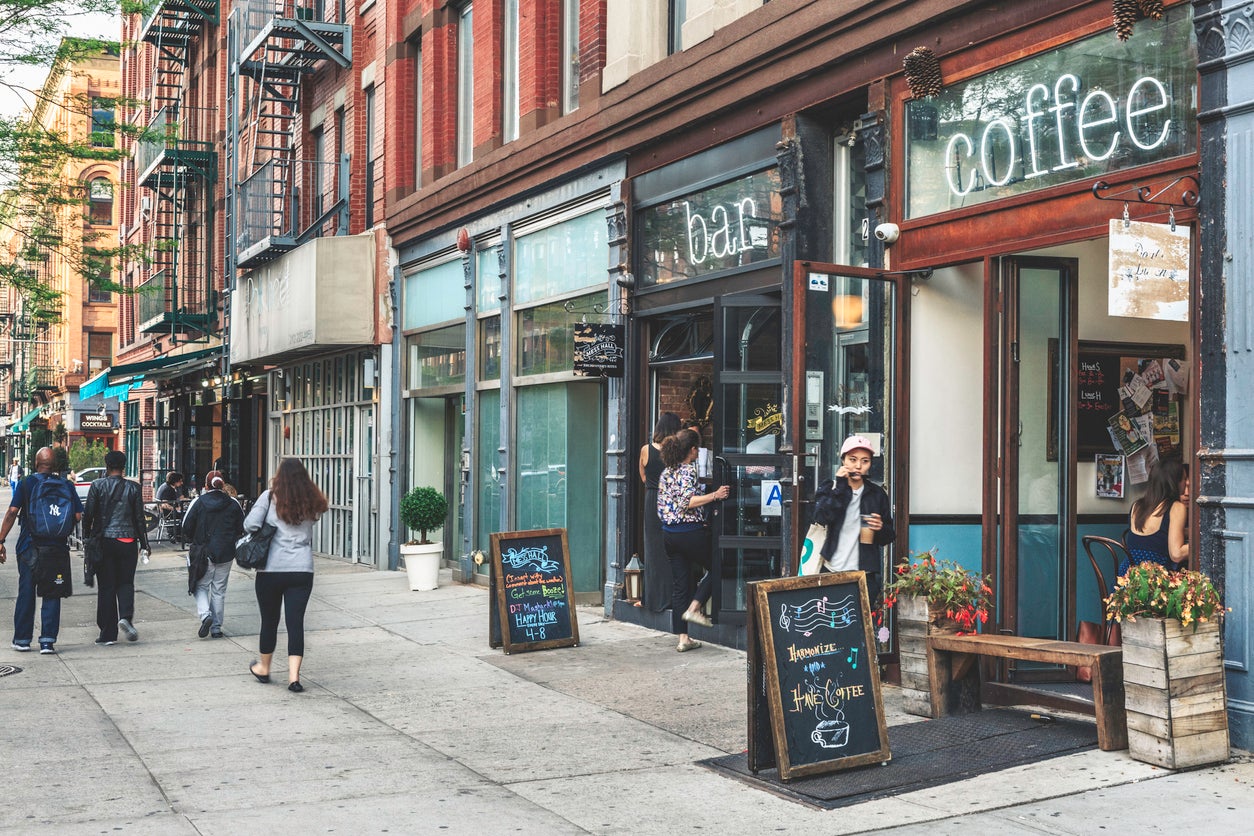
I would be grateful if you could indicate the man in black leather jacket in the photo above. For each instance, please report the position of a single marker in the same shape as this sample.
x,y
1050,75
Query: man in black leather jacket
x,y
115,513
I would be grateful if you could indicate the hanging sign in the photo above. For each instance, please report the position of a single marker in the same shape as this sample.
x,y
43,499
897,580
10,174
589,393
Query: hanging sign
x,y
93,421
599,349
1149,271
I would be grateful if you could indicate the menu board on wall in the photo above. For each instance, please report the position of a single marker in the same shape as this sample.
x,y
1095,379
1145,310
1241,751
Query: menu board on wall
x,y
531,590
814,663
1122,402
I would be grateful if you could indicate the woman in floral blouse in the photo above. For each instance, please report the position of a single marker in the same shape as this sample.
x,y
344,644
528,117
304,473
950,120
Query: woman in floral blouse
x,y
686,534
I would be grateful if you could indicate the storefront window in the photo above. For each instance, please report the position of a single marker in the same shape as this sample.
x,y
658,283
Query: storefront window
x,y
487,279
437,358
559,445
730,225
488,485
545,338
1079,111
490,348
436,294
561,258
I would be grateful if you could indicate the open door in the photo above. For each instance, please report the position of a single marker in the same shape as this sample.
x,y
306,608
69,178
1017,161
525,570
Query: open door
x,y
749,419
847,362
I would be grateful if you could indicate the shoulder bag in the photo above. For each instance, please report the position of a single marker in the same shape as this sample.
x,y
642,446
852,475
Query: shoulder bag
x,y
252,550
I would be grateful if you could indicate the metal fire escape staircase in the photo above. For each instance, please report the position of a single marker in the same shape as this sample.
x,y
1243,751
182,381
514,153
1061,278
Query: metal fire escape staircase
x,y
178,168
279,201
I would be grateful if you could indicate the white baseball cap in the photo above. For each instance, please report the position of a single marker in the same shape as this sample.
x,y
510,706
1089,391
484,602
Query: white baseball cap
x,y
855,442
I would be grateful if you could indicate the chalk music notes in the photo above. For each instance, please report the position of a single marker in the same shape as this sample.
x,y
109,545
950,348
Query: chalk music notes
x,y
818,613
853,657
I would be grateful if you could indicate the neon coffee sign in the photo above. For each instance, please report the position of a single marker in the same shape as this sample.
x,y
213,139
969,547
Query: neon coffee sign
x,y
1092,128
1085,109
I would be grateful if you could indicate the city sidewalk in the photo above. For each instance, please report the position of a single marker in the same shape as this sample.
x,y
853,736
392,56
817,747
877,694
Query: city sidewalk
x,y
411,724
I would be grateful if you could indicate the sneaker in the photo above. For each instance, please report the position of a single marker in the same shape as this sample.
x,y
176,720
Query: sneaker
x,y
126,627
698,617
21,648
46,649
205,624
217,634
103,642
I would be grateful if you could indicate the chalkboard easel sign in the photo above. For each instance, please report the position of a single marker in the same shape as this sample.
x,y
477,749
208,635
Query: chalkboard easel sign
x,y
821,676
531,588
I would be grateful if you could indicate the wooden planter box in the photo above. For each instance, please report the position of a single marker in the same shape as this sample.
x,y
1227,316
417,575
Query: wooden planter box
x,y
915,622
1177,705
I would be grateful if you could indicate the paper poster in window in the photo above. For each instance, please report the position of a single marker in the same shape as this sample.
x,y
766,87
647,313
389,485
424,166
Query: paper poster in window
x,y
1149,270
1109,476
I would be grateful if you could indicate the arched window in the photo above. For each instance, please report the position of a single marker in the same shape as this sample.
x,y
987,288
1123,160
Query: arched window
x,y
100,198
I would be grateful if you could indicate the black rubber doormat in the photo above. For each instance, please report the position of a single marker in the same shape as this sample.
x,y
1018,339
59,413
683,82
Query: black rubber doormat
x,y
928,754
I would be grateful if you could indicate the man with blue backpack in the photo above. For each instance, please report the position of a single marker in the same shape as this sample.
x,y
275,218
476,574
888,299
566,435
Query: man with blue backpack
x,y
48,506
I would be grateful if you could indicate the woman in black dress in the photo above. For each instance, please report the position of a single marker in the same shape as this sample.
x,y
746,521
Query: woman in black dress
x,y
657,569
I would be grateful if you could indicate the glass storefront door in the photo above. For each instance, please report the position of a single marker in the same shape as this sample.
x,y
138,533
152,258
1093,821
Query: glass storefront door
x,y
749,421
848,379
1037,565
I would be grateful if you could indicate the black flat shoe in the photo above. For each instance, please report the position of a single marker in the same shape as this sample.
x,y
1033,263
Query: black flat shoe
x,y
260,677
295,687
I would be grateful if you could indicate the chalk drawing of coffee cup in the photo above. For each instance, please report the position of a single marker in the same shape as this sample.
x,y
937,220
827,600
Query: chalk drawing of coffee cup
x,y
831,734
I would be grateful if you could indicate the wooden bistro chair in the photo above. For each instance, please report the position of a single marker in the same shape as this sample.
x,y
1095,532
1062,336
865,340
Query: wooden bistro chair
x,y
1108,550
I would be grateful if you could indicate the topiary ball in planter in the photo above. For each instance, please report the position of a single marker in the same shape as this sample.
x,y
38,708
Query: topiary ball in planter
x,y
422,510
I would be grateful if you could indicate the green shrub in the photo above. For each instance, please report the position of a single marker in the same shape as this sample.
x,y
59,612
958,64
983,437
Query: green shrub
x,y
422,510
85,454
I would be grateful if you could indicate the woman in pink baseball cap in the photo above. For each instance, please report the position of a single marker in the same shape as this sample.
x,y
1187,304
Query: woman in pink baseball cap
x,y
858,515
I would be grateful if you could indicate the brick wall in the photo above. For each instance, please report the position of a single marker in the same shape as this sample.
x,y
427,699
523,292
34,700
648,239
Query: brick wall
x,y
674,384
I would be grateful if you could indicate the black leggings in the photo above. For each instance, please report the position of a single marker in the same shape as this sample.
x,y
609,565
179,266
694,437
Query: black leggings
x,y
291,591
686,551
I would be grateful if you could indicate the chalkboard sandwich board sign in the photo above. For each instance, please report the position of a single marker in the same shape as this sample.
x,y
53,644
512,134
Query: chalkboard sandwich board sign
x,y
531,587
822,677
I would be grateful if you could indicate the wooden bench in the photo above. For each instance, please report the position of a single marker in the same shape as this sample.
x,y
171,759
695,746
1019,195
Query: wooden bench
x,y
954,657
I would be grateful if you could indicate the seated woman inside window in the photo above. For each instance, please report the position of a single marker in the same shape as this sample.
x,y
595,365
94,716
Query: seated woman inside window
x,y
1159,519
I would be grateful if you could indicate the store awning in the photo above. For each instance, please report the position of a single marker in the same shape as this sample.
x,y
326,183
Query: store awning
x,y
22,425
116,381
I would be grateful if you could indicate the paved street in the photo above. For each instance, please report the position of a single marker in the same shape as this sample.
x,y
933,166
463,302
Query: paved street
x,y
412,724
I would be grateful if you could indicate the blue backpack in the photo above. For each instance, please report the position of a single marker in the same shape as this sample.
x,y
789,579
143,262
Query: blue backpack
x,y
50,510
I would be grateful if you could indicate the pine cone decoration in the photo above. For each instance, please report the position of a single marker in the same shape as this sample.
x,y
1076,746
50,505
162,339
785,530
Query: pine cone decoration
x,y
1153,9
1126,13
923,73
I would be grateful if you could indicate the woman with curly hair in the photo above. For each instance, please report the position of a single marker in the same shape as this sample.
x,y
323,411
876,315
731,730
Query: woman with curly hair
x,y
292,505
685,533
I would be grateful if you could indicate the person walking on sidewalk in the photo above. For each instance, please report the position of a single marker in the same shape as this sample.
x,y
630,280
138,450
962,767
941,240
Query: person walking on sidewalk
x,y
15,474
115,514
292,505
58,500
213,523
685,533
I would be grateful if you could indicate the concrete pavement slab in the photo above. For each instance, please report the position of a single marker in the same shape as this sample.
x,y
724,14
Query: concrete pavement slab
x,y
152,824
439,808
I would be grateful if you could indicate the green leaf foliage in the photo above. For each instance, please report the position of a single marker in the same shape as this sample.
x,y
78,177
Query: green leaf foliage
x,y
424,509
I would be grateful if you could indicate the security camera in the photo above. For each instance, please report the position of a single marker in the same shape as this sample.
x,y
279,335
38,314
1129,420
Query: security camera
x,y
888,233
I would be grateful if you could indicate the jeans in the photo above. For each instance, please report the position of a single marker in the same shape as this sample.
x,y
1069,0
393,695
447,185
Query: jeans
x,y
24,611
687,549
115,585
289,591
211,593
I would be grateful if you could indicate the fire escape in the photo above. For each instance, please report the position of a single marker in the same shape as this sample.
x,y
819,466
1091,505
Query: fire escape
x,y
278,200
177,165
